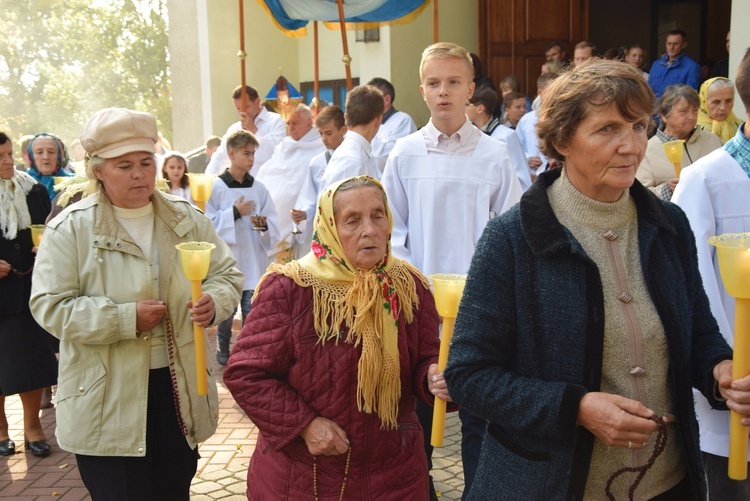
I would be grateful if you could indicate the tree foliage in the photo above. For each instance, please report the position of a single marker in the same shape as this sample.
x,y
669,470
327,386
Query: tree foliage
x,y
61,60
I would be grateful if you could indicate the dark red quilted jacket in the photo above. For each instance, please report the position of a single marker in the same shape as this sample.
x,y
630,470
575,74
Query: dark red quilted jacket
x,y
283,378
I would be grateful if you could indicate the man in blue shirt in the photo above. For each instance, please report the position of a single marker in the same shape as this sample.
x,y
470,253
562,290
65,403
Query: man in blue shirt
x,y
675,66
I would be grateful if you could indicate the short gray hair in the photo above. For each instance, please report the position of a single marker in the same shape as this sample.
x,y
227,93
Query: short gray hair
x,y
673,94
720,83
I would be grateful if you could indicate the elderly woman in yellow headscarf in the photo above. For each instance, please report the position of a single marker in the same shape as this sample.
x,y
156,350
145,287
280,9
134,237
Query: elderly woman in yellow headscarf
x,y
715,114
334,352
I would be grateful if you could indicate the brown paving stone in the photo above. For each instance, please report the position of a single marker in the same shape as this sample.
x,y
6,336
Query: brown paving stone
x,y
14,488
76,494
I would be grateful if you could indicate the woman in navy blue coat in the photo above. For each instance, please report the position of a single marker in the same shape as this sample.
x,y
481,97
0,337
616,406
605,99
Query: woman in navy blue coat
x,y
584,325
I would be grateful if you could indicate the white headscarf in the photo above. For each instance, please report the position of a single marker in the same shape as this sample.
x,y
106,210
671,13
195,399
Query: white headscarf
x,y
14,212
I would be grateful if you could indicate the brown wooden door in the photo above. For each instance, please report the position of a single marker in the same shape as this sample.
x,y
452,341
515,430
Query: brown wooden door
x,y
513,35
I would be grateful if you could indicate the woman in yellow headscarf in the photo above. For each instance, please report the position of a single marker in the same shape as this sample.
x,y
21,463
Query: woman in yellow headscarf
x,y
715,114
330,360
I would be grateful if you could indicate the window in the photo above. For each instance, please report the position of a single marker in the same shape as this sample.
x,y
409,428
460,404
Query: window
x,y
333,91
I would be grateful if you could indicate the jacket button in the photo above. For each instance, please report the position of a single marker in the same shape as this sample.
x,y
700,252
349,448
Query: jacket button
x,y
179,216
173,223
145,338
637,371
140,450
109,244
81,389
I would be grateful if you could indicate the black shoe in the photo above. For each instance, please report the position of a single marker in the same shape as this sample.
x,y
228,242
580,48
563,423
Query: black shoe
x,y
222,352
433,494
40,448
7,447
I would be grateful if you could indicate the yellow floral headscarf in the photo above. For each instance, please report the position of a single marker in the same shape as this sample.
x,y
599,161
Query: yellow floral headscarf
x,y
368,301
725,129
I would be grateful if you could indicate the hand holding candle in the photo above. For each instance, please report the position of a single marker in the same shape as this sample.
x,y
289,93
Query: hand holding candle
x,y
448,292
196,258
734,264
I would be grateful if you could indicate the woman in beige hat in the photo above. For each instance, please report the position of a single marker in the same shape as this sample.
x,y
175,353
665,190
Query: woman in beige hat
x,y
109,284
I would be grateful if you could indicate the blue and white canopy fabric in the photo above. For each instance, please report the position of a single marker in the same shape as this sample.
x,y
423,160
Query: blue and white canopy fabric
x,y
291,16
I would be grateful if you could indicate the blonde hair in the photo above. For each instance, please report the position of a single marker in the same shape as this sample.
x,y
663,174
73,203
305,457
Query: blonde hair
x,y
446,50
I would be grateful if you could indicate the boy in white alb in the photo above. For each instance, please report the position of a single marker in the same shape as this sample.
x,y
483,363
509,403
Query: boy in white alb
x,y
244,217
364,110
330,125
395,124
444,182
479,110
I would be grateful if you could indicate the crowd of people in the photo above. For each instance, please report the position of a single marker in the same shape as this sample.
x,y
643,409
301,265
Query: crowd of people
x,y
594,336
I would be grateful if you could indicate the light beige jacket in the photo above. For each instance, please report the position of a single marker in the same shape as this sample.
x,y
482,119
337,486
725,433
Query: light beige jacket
x,y
88,276
656,170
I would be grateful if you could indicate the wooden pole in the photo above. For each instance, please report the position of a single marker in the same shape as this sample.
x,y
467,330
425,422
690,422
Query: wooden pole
x,y
242,55
316,79
347,58
435,23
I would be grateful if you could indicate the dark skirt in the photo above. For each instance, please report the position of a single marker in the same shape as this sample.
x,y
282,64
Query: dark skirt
x,y
27,357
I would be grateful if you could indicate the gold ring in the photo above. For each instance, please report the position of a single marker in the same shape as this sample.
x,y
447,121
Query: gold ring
x,y
630,444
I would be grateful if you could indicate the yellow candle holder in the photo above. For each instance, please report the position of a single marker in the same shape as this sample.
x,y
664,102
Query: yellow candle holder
x,y
201,186
449,289
733,250
36,233
675,149
196,258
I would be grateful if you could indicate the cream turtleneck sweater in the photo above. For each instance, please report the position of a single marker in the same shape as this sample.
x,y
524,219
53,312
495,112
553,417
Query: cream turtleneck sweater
x,y
635,361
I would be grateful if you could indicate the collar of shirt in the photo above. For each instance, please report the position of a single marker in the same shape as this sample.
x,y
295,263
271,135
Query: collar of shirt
x,y
490,125
247,181
360,140
739,148
388,114
673,61
460,143
663,136
261,117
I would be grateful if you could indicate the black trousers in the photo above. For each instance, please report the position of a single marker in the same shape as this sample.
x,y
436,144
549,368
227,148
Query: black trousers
x,y
720,486
167,469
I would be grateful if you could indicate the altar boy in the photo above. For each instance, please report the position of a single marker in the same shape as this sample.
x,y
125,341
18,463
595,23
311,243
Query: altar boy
x,y
444,182
244,217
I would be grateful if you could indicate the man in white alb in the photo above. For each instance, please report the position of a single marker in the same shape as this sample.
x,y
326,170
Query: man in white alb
x,y
713,192
285,172
267,127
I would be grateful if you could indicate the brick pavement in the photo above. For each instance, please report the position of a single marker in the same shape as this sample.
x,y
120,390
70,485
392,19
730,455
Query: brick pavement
x,y
221,470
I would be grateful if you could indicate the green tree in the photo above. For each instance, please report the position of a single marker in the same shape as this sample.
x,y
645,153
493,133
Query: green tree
x,y
61,60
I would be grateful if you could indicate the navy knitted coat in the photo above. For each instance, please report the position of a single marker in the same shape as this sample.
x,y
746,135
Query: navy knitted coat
x,y
529,337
